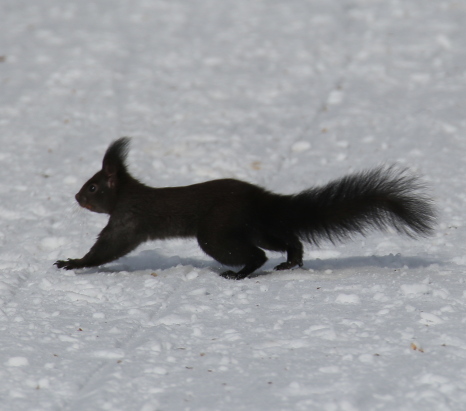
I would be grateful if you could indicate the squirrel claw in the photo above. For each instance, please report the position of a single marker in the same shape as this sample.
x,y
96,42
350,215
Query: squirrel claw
x,y
66,264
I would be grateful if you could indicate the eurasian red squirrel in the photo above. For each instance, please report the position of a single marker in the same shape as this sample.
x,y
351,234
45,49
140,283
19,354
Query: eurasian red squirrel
x,y
235,221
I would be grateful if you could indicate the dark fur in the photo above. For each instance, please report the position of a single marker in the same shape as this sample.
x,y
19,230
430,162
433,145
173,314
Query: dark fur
x,y
234,221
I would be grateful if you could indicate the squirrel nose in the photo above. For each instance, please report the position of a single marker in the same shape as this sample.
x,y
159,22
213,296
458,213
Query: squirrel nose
x,y
77,197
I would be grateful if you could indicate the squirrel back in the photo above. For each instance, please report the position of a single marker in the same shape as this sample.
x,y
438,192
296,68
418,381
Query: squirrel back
x,y
235,221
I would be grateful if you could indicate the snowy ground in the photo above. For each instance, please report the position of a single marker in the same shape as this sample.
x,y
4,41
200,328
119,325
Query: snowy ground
x,y
285,94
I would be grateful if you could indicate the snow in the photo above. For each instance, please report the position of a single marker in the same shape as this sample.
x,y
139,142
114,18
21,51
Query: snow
x,y
286,95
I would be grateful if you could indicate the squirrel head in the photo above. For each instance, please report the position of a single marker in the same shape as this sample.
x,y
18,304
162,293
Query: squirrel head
x,y
100,193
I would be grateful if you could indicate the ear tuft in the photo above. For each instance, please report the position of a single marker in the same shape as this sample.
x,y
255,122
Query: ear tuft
x,y
114,161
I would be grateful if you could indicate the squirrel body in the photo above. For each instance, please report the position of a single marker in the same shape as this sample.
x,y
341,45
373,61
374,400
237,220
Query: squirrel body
x,y
235,221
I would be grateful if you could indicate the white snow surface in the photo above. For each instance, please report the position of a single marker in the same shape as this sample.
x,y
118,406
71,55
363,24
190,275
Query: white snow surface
x,y
284,94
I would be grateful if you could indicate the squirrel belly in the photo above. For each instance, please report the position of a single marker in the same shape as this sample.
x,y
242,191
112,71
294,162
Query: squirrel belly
x,y
234,221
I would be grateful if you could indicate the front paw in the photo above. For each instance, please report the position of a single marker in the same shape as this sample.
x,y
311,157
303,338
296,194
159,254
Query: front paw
x,y
69,264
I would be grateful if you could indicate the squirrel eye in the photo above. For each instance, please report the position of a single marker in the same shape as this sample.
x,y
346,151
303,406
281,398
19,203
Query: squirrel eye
x,y
92,188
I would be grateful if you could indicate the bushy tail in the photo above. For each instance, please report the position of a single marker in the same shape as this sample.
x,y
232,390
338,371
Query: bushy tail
x,y
375,199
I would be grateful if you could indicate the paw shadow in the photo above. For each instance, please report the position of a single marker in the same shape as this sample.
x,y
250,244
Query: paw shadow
x,y
387,261
153,260
397,261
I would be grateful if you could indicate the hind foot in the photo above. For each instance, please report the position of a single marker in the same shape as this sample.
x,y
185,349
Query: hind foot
x,y
288,265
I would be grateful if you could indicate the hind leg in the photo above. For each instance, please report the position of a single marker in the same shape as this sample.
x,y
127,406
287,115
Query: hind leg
x,y
288,243
256,261
294,257
231,247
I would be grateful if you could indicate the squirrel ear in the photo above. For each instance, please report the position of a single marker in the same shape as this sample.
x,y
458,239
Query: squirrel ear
x,y
112,182
113,164
116,154
110,172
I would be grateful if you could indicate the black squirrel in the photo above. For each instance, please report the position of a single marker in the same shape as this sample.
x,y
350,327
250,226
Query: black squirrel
x,y
235,221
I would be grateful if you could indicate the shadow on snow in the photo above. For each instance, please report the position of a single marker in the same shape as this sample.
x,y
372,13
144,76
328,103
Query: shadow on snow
x,y
152,260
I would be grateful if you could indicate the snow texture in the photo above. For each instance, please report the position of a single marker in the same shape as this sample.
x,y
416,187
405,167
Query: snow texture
x,y
284,94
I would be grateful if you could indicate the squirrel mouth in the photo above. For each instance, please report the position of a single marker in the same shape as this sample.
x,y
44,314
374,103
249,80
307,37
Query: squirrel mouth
x,y
87,206
82,202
